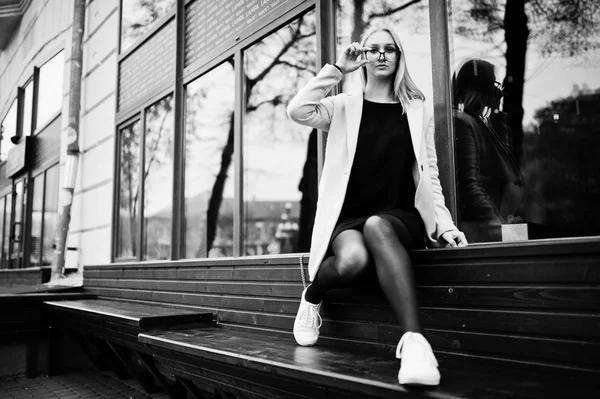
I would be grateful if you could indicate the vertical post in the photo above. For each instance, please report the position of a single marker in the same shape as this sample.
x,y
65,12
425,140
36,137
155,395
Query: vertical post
x,y
238,156
76,64
326,53
178,230
442,100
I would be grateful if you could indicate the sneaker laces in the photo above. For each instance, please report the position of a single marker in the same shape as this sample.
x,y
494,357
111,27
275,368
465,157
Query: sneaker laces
x,y
309,316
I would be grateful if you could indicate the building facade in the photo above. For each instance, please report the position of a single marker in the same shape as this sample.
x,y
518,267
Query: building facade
x,y
187,151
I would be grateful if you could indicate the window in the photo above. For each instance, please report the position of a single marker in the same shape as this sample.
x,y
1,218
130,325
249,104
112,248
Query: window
x,y
275,148
9,129
138,16
209,195
158,180
129,191
51,189
50,92
526,91
37,215
411,24
3,233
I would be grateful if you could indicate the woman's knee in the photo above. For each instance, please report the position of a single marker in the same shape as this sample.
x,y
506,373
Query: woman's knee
x,y
352,261
377,229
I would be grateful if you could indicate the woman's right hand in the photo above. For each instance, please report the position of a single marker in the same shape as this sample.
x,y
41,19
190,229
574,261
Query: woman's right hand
x,y
349,60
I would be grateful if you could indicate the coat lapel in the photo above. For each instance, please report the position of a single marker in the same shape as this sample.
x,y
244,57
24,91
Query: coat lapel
x,y
354,104
414,114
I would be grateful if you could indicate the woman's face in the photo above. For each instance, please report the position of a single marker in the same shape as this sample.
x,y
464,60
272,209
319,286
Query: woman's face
x,y
381,65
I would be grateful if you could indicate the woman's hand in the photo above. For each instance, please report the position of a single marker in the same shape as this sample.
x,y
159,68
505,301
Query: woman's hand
x,y
349,60
455,238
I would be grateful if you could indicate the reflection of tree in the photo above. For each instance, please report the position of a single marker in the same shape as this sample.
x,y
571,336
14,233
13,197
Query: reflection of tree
x,y
290,54
139,15
129,184
562,166
130,159
561,27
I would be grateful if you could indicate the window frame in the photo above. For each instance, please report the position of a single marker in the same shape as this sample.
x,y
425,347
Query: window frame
x,y
326,53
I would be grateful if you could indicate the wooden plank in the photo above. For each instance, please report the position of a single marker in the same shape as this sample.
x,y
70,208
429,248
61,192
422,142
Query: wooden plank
x,y
371,373
135,314
580,297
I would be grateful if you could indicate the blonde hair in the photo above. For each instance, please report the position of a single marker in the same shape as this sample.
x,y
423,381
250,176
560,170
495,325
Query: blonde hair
x,y
404,87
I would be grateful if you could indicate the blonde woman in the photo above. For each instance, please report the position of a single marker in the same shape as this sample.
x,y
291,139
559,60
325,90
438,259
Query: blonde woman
x,y
379,193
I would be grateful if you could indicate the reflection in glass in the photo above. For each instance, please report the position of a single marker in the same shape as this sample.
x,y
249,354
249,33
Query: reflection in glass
x,y
410,21
158,180
129,191
18,227
3,235
50,214
7,232
37,212
547,56
138,16
209,164
27,108
50,91
9,129
275,148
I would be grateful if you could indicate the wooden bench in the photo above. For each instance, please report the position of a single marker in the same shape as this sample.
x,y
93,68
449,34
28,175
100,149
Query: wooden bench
x,y
107,331
487,310
220,362
25,328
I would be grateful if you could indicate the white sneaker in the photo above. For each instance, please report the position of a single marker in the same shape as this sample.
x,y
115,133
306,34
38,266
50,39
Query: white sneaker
x,y
418,364
307,323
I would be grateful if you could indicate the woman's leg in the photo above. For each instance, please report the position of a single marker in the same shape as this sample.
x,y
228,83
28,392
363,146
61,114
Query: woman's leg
x,y
349,260
386,237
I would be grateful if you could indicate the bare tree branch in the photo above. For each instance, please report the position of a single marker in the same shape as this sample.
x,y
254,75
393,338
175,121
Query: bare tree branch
x,y
392,10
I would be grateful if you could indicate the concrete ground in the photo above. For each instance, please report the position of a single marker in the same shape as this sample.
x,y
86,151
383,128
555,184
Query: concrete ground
x,y
89,384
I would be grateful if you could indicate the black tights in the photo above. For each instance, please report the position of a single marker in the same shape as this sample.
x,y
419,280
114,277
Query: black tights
x,y
382,243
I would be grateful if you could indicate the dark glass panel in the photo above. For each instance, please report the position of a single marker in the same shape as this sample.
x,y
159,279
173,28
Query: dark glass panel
x,y
526,96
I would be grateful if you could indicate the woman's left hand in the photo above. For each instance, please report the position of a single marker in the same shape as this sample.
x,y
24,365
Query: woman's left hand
x,y
455,238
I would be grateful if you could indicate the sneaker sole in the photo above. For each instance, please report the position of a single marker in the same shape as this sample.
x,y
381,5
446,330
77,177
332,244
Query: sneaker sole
x,y
404,379
306,343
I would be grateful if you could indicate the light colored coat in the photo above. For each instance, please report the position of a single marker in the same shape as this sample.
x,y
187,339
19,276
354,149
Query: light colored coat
x,y
340,116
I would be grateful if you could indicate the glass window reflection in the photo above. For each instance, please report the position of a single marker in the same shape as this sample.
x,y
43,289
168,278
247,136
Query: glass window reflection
x,y
526,155
50,214
209,193
138,16
50,91
158,180
129,191
275,148
410,21
37,213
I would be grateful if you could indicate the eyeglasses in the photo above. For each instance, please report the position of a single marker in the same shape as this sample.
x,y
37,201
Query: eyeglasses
x,y
389,54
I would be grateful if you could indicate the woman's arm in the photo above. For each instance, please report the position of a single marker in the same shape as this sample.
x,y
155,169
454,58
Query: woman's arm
x,y
310,107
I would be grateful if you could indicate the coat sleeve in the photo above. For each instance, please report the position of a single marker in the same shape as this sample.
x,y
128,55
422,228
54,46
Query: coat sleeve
x,y
310,107
443,218
472,192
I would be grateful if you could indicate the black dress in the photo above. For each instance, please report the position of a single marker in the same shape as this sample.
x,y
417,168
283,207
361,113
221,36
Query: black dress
x,y
381,180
